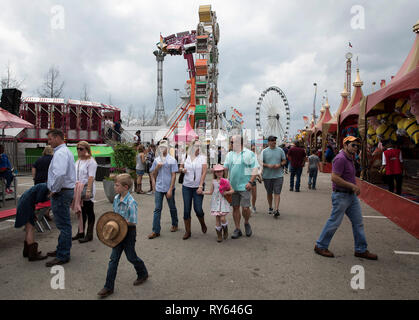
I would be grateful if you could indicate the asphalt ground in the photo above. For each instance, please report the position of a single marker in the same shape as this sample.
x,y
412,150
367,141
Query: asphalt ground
x,y
277,262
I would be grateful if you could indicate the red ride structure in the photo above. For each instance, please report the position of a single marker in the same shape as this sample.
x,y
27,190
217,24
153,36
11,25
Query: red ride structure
x,y
79,120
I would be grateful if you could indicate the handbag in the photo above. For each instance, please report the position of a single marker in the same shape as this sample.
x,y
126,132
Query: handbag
x,y
84,191
182,174
228,197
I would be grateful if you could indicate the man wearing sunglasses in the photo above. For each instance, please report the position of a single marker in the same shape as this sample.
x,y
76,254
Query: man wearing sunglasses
x,y
345,200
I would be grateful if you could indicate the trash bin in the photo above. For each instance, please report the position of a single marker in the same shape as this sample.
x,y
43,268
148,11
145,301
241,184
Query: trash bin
x,y
102,171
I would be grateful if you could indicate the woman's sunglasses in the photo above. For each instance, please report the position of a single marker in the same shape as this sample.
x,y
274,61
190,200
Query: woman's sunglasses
x,y
80,149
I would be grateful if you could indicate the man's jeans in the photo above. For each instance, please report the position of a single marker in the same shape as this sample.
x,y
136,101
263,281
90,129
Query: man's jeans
x,y
128,246
158,202
312,177
295,171
60,205
344,203
190,194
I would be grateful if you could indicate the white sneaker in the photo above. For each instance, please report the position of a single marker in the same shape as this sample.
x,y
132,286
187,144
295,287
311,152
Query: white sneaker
x,y
270,211
253,209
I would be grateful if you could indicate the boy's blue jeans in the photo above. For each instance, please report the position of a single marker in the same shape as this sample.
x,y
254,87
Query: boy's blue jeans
x,y
344,203
158,202
128,246
312,177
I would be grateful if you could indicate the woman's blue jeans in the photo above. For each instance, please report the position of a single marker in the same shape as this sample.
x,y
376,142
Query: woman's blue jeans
x,y
190,194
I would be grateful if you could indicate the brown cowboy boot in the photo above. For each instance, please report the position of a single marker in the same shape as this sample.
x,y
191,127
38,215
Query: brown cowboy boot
x,y
225,232
203,226
219,235
187,234
25,249
33,254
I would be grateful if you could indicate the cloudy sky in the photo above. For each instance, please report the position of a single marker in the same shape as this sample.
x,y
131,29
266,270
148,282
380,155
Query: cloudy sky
x,y
107,45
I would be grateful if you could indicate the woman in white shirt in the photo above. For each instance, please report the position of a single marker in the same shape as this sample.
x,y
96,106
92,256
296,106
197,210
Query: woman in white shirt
x,y
85,173
194,166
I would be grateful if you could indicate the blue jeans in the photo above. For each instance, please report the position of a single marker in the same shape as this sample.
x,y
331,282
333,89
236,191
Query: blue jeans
x,y
158,202
312,177
295,171
60,205
190,194
8,175
344,203
128,246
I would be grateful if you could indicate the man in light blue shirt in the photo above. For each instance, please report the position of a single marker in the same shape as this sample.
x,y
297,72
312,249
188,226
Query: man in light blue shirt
x,y
242,165
164,170
273,173
61,182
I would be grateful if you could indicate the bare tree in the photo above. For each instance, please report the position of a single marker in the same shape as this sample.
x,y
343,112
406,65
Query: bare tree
x,y
85,93
51,87
143,114
130,114
8,81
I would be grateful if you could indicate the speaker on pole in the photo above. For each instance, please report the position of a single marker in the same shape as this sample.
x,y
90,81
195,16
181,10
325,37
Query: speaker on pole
x,y
10,100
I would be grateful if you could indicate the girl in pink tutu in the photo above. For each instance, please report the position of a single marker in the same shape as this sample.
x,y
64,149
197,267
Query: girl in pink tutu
x,y
221,192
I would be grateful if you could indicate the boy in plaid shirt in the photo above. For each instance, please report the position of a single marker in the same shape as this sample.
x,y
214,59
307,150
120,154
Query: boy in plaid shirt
x,y
125,205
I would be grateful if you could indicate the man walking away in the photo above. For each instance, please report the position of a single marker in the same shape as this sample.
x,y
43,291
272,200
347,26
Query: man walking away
x,y
297,157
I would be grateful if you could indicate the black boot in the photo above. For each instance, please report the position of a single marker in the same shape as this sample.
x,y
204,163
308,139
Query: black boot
x,y
33,254
26,250
89,234
78,236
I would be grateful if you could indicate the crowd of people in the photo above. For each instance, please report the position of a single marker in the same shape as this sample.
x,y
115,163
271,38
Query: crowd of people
x,y
70,185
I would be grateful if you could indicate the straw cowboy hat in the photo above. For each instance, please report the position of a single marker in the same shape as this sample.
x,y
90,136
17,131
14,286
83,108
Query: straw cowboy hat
x,y
111,229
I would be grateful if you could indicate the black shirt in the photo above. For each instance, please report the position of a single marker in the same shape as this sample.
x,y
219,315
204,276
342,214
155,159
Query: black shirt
x,y
41,165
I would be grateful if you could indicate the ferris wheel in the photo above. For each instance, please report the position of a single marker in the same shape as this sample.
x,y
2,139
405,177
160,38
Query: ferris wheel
x,y
273,114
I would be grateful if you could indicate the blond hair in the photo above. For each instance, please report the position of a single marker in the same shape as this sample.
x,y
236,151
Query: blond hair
x,y
48,150
87,146
124,179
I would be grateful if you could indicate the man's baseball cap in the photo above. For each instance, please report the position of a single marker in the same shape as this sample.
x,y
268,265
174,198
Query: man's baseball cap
x,y
350,139
272,138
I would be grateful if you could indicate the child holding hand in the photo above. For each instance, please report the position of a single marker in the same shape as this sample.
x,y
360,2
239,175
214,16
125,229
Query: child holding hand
x,y
220,190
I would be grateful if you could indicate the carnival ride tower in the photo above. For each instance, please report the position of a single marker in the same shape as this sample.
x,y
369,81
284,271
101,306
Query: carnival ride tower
x,y
159,113
201,108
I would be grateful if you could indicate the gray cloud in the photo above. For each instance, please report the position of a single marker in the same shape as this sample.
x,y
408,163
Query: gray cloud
x,y
108,45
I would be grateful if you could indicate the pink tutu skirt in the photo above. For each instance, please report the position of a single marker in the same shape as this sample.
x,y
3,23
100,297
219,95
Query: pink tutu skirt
x,y
219,213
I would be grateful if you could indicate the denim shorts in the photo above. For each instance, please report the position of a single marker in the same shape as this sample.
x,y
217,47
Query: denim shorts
x,y
140,172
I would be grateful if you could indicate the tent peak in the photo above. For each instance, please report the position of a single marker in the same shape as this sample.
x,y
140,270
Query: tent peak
x,y
345,92
416,27
358,82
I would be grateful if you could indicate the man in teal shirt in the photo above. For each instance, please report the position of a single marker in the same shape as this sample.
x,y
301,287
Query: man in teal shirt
x,y
242,166
273,159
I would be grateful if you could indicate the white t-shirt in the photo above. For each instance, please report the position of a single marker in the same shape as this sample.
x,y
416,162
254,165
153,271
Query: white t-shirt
x,y
193,170
84,170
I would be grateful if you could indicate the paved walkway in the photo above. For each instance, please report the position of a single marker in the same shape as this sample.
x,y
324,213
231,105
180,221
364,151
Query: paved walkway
x,y
276,262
